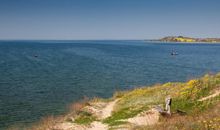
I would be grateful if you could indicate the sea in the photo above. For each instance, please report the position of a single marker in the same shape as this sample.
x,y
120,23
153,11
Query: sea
x,y
39,78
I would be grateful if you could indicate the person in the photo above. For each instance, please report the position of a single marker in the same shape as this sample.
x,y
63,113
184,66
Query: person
x,y
168,102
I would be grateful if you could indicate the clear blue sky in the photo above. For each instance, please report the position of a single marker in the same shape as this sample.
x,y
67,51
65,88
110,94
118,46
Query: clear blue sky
x,y
108,19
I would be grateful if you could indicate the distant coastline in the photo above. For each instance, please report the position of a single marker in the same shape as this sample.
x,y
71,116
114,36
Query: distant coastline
x,y
182,39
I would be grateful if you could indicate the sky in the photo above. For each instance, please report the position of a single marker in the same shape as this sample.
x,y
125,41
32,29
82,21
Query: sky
x,y
108,19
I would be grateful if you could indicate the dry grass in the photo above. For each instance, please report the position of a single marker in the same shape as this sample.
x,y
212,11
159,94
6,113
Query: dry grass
x,y
200,115
75,108
46,123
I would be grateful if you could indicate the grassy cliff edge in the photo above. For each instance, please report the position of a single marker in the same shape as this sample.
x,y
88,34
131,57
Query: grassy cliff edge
x,y
199,99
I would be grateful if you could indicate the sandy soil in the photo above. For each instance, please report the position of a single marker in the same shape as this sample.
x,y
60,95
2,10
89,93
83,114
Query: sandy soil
x,y
104,110
98,126
145,118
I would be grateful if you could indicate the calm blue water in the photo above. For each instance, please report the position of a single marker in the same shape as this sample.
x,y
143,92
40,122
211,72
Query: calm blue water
x,y
65,71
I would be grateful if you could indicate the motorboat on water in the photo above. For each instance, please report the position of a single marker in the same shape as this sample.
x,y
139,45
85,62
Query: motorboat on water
x,y
174,53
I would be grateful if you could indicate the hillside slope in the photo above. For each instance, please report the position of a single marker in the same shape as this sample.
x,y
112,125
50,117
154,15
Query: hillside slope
x,y
195,105
189,39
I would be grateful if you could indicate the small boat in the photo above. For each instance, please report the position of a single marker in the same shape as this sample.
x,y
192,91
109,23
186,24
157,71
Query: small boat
x,y
174,53
35,56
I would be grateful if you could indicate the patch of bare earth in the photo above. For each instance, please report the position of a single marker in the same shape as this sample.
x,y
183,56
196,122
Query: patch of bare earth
x,y
73,126
145,118
69,126
106,112
98,126
101,110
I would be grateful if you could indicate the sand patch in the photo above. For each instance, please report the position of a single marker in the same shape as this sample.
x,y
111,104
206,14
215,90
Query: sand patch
x,y
101,110
145,118
106,112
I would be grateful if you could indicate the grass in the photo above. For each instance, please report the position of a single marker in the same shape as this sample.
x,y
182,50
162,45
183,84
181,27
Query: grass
x,y
84,118
188,96
206,119
200,114
124,113
185,98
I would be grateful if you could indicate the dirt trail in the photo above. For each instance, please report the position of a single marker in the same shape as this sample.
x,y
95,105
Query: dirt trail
x,y
145,118
68,126
149,117
73,126
106,112
102,113
97,126
217,92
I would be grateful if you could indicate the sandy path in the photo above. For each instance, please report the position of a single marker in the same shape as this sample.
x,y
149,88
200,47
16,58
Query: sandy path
x,y
106,112
96,125
146,118
73,126
68,126
217,92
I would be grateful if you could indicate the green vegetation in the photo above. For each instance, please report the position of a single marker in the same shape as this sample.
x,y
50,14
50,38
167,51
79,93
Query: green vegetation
x,y
84,118
124,113
190,97
185,98
189,39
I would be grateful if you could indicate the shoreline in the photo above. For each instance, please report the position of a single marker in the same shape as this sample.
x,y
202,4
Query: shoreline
x,y
136,108
158,41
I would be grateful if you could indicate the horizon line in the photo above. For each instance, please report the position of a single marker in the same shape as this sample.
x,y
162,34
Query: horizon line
x,y
72,39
